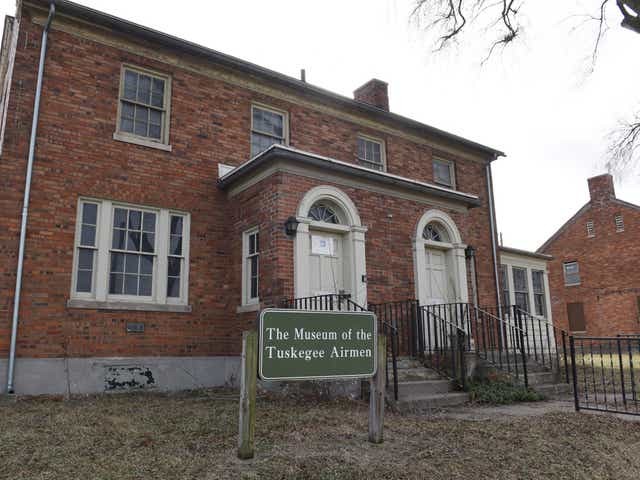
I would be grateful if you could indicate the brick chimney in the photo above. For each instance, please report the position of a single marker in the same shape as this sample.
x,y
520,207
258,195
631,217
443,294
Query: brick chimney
x,y
374,92
601,188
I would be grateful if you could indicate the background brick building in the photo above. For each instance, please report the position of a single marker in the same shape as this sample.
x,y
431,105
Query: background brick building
x,y
175,164
594,275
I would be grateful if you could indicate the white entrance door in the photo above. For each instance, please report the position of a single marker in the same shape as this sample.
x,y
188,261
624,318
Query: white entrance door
x,y
436,286
326,263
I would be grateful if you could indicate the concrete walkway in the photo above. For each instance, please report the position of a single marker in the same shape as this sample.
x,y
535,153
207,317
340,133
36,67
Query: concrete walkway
x,y
518,410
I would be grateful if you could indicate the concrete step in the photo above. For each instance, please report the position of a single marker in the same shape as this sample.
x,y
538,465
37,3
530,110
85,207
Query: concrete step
x,y
541,378
424,387
407,362
429,402
554,390
421,373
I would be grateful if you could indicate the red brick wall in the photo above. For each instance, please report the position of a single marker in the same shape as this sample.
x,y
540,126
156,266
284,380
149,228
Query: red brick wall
x,y
210,121
609,266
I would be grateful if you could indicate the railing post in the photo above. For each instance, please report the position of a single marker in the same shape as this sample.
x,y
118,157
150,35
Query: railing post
x,y
461,350
572,349
624,394
523,351
564,351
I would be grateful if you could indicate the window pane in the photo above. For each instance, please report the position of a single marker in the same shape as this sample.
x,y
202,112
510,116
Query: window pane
x,y
85,259
89,213
176,225
120,218
260,143
130,84
131,263
118,239
144,89
83,282
88,235
133,241
126,125
146,264
145,285
130,284
539,306
254,287
361,148
173,287
149,222
268,122
174,267
157,93
520,280
148,240
116,283
117,262
442,172
128,110
538,281
155,131
175,245
522,301
134,219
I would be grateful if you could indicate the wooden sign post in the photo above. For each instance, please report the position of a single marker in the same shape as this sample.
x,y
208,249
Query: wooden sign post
x,y
311,345
248,373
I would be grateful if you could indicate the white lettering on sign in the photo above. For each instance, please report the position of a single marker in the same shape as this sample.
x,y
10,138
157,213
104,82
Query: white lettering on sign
x,y
322,245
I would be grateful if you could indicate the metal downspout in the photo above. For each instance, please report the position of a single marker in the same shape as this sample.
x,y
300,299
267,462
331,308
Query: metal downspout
x,y
494,250
25,205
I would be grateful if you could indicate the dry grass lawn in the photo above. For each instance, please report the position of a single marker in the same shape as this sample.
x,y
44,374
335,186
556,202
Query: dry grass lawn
x,y
192,436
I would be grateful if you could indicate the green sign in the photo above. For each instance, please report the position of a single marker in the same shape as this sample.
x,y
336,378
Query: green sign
x,y
304,345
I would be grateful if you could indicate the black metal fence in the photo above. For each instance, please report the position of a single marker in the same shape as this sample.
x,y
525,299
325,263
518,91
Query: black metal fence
x,y
606,373
446,345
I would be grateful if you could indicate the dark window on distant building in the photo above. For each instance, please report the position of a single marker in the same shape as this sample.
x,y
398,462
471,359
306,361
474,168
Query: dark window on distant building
x,y
520,288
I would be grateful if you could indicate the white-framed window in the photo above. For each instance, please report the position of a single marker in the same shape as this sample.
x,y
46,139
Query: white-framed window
x,y
571,273
591,229
371,153
619,223
268,127
143,105
520,288
250,266
130,253
504,282
444,172
537,279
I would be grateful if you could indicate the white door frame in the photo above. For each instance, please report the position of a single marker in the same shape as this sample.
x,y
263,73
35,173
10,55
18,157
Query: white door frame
x,y
455,257
353,243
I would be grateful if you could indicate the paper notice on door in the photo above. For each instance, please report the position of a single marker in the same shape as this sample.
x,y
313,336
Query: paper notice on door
x,y
322,245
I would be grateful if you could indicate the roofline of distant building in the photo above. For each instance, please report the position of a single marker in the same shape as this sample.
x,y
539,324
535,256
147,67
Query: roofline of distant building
x,y
64,7
526,253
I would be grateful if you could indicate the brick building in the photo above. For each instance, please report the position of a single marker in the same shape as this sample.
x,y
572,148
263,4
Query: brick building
x,y
176,190
594,275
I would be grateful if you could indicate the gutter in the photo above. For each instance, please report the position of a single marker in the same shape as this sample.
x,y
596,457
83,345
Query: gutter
x,y
494,248
25,204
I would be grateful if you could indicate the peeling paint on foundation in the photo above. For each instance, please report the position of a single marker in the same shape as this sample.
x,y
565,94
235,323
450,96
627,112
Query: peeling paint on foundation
x,y
128,377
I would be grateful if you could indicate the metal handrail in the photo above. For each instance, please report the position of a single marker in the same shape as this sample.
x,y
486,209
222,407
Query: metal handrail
x,y
439,348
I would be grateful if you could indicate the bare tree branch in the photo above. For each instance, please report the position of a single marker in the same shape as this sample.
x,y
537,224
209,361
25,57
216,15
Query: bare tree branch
x,y
623,147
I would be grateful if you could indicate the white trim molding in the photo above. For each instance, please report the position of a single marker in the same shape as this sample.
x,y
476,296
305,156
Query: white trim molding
x,y
354,234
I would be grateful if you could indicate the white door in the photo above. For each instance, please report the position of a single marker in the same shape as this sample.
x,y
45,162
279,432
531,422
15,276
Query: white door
x,y
326,266
436,286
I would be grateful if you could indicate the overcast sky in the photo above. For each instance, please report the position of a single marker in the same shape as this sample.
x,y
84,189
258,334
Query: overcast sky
x,y
534,102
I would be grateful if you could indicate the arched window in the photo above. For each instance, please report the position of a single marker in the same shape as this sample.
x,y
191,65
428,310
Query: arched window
x,y
322,212
435,233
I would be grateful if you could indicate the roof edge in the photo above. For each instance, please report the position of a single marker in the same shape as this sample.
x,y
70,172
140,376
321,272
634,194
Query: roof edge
x,y
288,153
526,253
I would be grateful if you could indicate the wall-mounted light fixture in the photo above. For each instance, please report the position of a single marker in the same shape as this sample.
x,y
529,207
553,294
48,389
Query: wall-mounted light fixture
x,y
291,226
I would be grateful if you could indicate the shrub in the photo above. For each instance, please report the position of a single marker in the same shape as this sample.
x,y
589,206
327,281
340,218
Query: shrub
x,y
501,392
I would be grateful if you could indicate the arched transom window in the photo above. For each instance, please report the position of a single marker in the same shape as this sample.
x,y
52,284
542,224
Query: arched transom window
x,y
322,212
435,233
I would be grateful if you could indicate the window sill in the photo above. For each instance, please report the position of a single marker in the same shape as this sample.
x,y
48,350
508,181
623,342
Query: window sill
x,y
122,137
253,307
136,306
572,284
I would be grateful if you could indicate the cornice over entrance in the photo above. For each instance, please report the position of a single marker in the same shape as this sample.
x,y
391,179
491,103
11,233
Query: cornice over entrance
x,y
279,158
